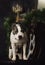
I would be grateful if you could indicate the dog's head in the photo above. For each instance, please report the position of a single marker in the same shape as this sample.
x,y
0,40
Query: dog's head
x,y
18,31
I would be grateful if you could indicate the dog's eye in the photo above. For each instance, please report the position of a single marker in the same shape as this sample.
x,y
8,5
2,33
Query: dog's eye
x,y
16,31
13,33
22,30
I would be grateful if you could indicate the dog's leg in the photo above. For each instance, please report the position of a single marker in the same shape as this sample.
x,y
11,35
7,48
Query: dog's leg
x,y
13,51
10,53
24,52
19,55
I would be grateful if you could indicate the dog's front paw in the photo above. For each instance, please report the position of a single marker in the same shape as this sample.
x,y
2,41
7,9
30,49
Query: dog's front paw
x,y
25,58
13,59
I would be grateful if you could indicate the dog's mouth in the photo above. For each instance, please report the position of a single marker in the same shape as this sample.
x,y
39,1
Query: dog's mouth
x,y
16,39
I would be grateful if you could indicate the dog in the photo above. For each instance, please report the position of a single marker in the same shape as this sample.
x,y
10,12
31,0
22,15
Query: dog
x,y
18,38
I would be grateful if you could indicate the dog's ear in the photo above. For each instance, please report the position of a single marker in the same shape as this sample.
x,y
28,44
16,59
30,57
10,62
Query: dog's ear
x,y
13,26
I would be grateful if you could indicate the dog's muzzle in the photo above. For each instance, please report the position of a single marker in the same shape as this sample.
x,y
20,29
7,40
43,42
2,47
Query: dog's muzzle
x,y
20,37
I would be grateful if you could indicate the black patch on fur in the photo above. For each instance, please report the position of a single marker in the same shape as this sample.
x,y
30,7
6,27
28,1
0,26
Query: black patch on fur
x,y
14,28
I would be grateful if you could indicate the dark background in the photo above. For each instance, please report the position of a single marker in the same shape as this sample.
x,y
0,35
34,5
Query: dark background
x,y
5,10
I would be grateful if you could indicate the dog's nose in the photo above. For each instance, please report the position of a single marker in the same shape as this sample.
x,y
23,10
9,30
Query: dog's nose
x,y
20,37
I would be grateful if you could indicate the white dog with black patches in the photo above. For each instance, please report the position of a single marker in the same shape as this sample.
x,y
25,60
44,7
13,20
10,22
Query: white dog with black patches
x,y
18,37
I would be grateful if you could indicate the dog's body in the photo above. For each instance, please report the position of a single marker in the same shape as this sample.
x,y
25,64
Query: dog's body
x,y
18,37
